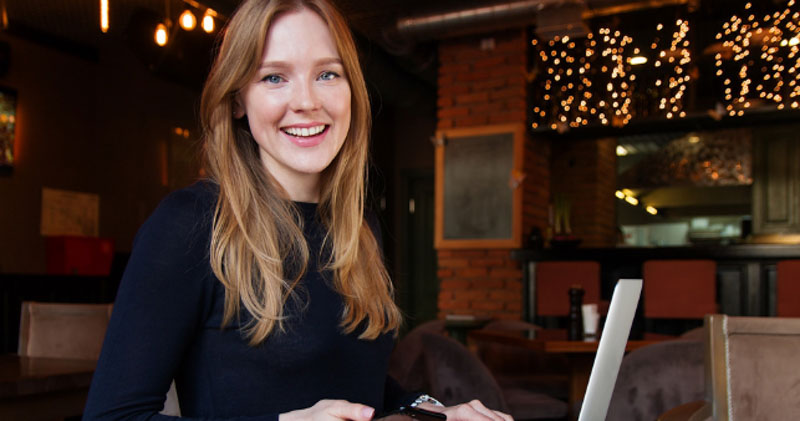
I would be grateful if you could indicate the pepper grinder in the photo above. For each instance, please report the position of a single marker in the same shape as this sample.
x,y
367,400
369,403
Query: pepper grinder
x,y
575,320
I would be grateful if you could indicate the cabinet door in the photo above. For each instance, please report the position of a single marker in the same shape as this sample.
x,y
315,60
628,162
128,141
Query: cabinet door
x,y
776,187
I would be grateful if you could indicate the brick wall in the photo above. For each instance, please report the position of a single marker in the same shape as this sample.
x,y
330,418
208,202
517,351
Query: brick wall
x,y
479,87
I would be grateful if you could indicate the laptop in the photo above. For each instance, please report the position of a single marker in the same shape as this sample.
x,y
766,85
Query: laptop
x,y
610,350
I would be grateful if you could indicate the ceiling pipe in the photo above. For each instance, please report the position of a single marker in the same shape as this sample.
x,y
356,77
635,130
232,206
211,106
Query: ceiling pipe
x,y
508,15
459,22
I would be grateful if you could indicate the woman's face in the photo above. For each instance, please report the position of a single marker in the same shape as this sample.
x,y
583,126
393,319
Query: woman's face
x,y
298,104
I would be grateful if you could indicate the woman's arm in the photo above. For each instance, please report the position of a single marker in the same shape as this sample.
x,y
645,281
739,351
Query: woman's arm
x,y
162,301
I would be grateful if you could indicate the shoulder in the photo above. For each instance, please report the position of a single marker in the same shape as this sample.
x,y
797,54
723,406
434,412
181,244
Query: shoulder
x,y
190,204
198,197
183,212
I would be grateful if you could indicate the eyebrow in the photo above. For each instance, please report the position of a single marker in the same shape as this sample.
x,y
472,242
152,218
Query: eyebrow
x,y
285,64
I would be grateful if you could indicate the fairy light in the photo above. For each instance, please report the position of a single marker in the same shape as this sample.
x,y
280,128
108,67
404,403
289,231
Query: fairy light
x,y
584,81
764,59
672,63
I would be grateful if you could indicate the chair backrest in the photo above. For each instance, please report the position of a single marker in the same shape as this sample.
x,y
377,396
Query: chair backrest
x,y
751,367
788,288
62,330
657,377
553,280
680,289
457,376
406,363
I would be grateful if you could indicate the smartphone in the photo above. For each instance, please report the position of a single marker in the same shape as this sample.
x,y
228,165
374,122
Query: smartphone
x,y
407,413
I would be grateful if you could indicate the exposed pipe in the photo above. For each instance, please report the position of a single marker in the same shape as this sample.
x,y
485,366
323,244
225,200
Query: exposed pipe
x,y
510,14
464,21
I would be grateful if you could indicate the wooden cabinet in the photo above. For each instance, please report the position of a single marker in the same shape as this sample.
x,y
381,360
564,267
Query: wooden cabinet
x,y
776,186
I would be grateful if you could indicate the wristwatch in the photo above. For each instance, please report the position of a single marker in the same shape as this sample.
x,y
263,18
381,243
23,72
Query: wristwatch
x,y
425,398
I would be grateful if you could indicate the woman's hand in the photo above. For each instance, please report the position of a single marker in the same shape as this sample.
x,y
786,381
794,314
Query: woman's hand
x,y
473,410
330,410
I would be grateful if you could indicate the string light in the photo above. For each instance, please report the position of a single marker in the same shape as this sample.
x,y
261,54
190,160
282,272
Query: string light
x,y
672,64
763,59
572,72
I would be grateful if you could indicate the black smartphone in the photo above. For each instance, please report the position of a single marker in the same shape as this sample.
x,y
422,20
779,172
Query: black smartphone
x,y
407,413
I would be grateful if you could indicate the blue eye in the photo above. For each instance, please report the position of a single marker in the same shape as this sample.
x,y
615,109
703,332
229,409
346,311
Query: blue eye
x,y
272,79
328,75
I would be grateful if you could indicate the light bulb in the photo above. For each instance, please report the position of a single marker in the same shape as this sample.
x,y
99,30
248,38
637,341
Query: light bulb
x,y
187,20
208,20
104,16
161,35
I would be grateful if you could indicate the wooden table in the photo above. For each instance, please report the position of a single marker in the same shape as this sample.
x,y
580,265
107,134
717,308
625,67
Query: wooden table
x,y
580,354
43,388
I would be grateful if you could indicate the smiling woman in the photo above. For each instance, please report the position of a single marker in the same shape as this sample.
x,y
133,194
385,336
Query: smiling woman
x,y
262,291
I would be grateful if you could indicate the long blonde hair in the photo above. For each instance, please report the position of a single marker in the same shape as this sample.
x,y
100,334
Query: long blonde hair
x,y
256,228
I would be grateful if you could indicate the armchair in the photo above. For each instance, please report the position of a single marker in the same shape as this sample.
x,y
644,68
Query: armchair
x,y
750,370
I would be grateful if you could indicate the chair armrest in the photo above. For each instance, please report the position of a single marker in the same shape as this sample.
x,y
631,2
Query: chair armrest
x,y
692,411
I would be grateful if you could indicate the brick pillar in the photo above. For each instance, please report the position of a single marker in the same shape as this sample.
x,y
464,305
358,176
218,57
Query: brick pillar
x,y
585,173
480,87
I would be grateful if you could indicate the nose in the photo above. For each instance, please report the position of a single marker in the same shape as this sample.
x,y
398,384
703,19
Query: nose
x,y
305,97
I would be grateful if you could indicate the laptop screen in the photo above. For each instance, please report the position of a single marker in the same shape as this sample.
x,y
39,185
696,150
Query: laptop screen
x,y
611,350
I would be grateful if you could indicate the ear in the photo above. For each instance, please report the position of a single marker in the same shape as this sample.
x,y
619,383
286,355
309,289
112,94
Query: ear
x,y
238,108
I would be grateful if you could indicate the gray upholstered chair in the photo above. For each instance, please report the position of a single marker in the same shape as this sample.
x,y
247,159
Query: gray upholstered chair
x,y
62,330
406,363
751,371
70,330
655,378
457,376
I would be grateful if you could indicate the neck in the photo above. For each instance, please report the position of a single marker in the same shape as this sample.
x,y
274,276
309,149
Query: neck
x,y
300,189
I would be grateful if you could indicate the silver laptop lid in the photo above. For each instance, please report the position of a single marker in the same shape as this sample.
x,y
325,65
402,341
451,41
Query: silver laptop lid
x,y
611,350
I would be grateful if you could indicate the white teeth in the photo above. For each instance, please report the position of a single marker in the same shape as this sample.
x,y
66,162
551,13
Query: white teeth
x,y
305,131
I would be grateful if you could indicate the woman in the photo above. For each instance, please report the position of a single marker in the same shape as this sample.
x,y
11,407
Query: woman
x,y
262,291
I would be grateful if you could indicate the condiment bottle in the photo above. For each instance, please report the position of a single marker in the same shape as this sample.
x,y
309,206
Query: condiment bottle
x,y
575,318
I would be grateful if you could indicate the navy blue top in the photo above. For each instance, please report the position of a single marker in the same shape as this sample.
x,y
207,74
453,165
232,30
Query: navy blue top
x,y
166,324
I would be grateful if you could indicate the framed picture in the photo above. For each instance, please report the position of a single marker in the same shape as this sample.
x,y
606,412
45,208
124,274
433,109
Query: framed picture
x,y
478,187
8,119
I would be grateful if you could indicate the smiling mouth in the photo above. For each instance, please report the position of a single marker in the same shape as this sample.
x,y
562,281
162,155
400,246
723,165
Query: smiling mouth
x,y
305,131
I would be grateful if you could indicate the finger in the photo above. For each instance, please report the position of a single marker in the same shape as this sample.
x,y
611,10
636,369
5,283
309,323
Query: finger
x,y
350,411
479,407
466,412
504,416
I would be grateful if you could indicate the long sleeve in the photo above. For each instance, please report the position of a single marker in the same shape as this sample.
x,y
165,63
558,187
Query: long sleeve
x,y
395,396
164,296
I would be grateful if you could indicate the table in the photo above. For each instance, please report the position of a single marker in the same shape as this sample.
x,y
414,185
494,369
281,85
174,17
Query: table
x,y
43,388
580,354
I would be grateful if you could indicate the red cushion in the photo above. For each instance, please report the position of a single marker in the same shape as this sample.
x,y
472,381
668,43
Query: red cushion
x,y
553,280
72,255
680,289
788,288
